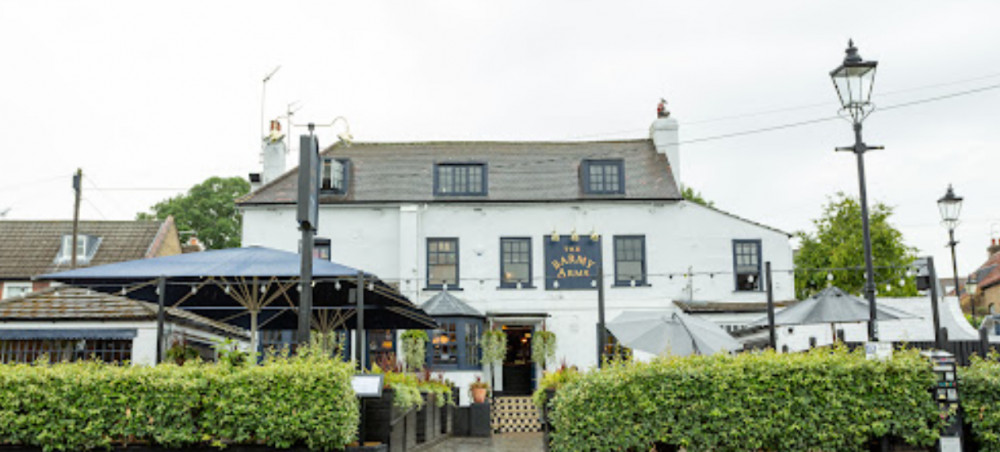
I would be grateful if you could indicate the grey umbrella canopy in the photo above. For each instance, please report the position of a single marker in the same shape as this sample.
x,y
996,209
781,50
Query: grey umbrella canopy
x,y
831,305
671,332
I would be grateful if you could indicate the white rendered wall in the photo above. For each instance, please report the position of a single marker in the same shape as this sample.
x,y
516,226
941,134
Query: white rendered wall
x,y
390,241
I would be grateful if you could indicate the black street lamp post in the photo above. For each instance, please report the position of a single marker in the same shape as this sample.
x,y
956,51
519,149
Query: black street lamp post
x,y
854,80
950,206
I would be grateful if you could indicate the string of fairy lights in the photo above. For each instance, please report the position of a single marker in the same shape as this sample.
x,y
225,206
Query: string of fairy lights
x,y
898,275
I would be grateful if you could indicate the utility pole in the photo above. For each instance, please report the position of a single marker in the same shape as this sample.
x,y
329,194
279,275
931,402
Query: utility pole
x,y
602,331
772,337
77,187
307,216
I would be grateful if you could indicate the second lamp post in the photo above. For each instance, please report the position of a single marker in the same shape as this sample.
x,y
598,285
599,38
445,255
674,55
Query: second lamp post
x,y
950,206
854,80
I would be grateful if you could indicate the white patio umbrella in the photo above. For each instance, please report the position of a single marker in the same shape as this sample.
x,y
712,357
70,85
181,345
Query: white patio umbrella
x,y
832,305
671,332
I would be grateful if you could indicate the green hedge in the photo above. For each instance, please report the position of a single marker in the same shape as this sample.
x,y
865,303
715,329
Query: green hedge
x,y
91,405
821,400
979,392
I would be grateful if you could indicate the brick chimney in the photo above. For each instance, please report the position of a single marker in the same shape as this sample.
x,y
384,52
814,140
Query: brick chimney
x,y
993,248
666,138
273,154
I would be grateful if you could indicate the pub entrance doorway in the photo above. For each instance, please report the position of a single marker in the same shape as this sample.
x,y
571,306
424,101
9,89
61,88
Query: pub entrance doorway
x,y
518,369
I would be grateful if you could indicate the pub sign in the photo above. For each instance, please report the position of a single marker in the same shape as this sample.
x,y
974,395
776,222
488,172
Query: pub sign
x,y
573,264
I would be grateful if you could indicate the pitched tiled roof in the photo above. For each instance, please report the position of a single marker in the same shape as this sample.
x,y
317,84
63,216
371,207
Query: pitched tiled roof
x,y
516,171
988,274
74,303
444,304
29,248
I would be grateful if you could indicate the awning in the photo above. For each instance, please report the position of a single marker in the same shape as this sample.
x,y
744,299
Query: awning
x,y
61,334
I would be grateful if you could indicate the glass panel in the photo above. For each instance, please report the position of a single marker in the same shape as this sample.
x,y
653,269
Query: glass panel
x,y
444,343
630,270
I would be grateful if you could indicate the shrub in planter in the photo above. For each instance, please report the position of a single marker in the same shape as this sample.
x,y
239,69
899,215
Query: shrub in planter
x,y
979,385
553,381
821,400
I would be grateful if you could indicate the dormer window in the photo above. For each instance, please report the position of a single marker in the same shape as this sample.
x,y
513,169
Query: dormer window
x,y
460,179
603,177
86,248
333,176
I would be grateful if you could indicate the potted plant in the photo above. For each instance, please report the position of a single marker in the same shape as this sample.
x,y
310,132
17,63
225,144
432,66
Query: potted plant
x,y
180,352
478,390
543,347
494,346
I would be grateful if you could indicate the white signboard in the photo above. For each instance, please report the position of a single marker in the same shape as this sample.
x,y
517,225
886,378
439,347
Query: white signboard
x,y
878,350
367,385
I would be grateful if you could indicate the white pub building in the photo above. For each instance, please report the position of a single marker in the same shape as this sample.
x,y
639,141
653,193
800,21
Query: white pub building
x,y
517,231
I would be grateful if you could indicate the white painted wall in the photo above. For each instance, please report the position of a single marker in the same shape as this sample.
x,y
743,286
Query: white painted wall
x,y
390,241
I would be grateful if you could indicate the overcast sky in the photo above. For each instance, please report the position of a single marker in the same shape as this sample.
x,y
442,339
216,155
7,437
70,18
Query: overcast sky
x,y
150,101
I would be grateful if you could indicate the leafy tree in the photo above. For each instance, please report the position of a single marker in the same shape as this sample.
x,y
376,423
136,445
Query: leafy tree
x,y
208,210
690,194
838,243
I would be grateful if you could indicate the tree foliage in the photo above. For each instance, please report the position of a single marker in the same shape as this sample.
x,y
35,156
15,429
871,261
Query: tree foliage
x,y
207,210
838,244
690,194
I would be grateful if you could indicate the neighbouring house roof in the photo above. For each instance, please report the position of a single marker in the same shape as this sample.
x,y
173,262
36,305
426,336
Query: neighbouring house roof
x,y
29,248
516,172
988,274
444,304
67,303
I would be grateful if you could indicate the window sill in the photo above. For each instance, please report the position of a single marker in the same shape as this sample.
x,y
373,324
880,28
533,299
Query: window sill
x,y
515,287
750,291
629,286
441,289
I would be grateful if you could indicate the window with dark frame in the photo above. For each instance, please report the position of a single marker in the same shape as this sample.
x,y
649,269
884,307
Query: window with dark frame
x,y
746,264
333,176
381,347
27,351
630,260
515,262
442,263
460,179
455,345
602,177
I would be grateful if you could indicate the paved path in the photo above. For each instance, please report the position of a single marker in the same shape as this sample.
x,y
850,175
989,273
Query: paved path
x,y
507,442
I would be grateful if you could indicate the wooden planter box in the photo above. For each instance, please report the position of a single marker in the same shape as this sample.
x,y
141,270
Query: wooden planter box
x,y
427,420
409,424
446,419
387,424
460,421
547,419
479,420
